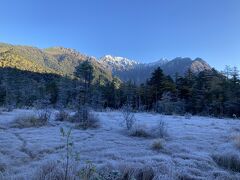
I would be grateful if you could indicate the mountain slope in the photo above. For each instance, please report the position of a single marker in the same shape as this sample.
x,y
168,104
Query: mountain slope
x,y
139,72
13,60
68,59
57,60
117,63
63,61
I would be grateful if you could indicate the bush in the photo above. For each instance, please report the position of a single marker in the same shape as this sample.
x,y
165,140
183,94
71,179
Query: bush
x,y
29,121
62,116
88,172
108,174
130,172
145,173
128,116
50,170
54,170
230,161
139,131
44,115
160,131
157,145
86,119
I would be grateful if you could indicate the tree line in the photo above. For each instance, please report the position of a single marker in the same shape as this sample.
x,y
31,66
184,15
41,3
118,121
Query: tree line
x,y
207,93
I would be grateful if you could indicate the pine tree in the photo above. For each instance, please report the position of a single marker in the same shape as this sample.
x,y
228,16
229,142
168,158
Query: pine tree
x,y
84,71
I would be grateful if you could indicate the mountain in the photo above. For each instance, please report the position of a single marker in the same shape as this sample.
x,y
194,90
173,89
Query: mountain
x,y
118,63
9,59
56,60
182,65
127,69
63,61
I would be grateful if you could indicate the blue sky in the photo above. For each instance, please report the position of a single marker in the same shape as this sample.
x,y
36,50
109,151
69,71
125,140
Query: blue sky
x,y
144,30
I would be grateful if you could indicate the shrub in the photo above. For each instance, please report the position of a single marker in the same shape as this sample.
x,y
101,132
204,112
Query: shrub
x,y
139,131
127,172
88,172
157,144
128,116
145,173
44,115
142,173
55,170
86,119
229,161
29,121
108,174
48,171
62,116
160,131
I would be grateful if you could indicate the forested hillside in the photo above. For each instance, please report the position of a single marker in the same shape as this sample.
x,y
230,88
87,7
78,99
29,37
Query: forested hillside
x,y
58,60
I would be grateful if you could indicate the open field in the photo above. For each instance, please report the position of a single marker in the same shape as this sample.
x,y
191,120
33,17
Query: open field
x,y
195,148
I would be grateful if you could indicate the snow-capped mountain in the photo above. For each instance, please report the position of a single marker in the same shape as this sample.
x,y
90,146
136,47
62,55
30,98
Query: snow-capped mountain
x,y
118,63
63,61
132,70
160,62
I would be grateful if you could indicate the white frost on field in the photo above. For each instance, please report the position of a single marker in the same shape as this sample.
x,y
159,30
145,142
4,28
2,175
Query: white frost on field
x,y
187,151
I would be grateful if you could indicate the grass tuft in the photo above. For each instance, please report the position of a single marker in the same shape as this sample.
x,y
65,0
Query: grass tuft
x,y
158,145
230,161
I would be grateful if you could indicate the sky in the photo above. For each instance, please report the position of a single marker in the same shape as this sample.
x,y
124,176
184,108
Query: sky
x,y
143,30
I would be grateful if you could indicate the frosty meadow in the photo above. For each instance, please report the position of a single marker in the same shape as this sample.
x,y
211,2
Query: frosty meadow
x,y
120,90
181,148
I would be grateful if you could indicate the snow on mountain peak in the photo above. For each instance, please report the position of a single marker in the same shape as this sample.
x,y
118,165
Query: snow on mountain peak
x,y
118,63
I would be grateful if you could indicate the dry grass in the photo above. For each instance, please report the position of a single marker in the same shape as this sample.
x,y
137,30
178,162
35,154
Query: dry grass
x,y
86,119
157,145
140,131
48,171
62,116
142,173
28,121
55,170
236,141
230,161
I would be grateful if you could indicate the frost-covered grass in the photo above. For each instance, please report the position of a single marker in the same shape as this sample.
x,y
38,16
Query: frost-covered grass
x,y
193,148
29,121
